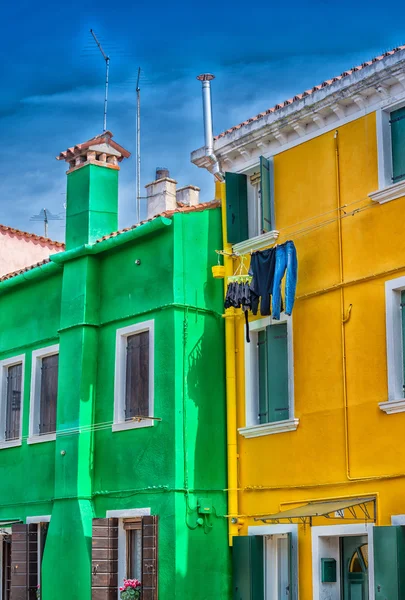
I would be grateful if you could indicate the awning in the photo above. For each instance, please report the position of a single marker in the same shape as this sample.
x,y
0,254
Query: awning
x,y
359,509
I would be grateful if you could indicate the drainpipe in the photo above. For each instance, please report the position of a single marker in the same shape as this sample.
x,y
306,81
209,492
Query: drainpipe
x,y
206,79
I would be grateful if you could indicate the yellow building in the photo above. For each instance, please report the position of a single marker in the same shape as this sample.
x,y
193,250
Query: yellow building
x,y
317,485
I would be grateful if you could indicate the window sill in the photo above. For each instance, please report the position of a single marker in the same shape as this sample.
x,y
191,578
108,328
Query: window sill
x,y
38,439
11,444
132,425
269,428
391,192
256,243
393,406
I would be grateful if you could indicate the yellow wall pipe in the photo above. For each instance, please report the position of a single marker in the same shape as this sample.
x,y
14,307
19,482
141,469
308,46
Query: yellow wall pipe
x,y
232,433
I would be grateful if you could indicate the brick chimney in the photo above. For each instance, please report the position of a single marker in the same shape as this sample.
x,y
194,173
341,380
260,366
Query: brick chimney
x,y
92,189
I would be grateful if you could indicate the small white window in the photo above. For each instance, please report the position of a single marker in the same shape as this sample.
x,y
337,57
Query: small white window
x,y
269,378
395,333
134,376
11,400
44,392
391,161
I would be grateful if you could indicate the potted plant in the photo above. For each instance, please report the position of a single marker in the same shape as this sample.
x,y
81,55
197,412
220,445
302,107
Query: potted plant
x,y
131,590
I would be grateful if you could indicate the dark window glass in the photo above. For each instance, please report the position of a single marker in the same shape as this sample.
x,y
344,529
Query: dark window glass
x,y
137,376
134,554
13,402
6,567
49,393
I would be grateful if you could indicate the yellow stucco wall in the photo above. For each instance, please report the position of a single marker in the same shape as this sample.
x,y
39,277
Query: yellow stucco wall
x,y
311,463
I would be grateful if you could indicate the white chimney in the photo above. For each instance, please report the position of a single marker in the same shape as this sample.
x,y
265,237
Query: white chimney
x,y
161,193
188,195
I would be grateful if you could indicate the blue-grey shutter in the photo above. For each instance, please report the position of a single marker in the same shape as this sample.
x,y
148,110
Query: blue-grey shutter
x,y
248,567
265,195
389,559
277,372
263,393
398,144
236,207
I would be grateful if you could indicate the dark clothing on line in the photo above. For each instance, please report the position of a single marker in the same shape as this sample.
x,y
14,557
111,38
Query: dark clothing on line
x,y
262,267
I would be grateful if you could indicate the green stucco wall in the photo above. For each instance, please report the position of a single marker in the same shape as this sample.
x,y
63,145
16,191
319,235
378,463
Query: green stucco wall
x,y
167,467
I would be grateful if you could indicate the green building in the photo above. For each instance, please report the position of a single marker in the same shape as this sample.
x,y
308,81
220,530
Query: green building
x,y
112,400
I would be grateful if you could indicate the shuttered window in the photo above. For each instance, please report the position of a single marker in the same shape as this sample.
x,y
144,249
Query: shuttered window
x,y
397,121
266,208
13,402
49,392
272,359
236,207
6,567
133,531
24,561
137,376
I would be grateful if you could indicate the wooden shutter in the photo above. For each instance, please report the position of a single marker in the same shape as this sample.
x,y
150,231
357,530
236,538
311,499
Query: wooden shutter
x,y
13,402
236,208
24,561
150,558
403,339
389,557
277,372
262,361
398,144
104,567
49,392
248,568
137,376
265,195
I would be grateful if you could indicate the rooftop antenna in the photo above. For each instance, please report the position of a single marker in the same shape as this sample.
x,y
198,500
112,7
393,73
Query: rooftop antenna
x,y
45,215
138,148
107,69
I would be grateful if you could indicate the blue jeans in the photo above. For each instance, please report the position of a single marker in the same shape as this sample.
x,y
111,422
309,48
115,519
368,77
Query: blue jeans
x,y
286,259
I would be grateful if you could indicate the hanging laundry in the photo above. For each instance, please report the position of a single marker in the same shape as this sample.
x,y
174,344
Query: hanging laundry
x,y
262,269
238,295
286,260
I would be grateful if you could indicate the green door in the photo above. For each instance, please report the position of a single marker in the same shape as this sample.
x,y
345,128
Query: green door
x,y
354,552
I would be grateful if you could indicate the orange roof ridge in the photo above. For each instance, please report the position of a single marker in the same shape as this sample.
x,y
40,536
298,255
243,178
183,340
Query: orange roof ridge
x,y
322,85
25,269
31,236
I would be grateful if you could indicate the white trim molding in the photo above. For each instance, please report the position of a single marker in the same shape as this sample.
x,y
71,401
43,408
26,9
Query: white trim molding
x,y
41,519
35,396
258,242
391,192
395,351
253,428
120,424
4,364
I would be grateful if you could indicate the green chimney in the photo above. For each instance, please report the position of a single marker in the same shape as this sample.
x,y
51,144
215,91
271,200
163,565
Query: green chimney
x,y
92,189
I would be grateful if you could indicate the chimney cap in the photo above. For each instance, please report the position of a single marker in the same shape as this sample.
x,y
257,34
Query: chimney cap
x,y
206,77
162,173
100,143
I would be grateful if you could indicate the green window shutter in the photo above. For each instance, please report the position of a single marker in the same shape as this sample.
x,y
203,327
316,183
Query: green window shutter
x,y
277,372
248,567
265,195
403,338
389,557
398,144
236,207
262,360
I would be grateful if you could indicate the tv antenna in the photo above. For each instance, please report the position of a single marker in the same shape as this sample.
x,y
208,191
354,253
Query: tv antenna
x,y
138,148
107,69
45,215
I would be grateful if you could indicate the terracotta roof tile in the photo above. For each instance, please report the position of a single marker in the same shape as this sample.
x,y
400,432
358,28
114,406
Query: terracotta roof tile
x,y
104,137
30,236
25,269
322,85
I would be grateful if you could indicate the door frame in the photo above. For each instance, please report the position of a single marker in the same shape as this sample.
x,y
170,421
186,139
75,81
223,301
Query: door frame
x,y
339,531
267,530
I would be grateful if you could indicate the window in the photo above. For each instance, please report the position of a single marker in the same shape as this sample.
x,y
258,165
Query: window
x,y
395,332
397,121
249,206
44,393
391,158
5,553
12,392
133,539
269,376
134,372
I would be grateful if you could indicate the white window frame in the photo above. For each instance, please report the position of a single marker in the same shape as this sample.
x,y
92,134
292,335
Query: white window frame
x,y
253,428
122,537
122,334
4,364
38,521
395,351
387,190
35,395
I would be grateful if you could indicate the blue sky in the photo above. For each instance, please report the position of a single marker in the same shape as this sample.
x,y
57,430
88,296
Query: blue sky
x,y
52,81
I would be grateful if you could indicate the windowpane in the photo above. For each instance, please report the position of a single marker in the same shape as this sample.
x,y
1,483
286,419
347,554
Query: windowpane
x,y
134,554
49,392
13,402
137,376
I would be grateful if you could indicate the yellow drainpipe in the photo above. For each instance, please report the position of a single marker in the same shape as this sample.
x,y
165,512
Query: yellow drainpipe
x,y
232,450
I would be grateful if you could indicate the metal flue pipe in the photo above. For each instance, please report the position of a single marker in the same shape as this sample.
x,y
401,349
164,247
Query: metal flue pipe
x,y
206,79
